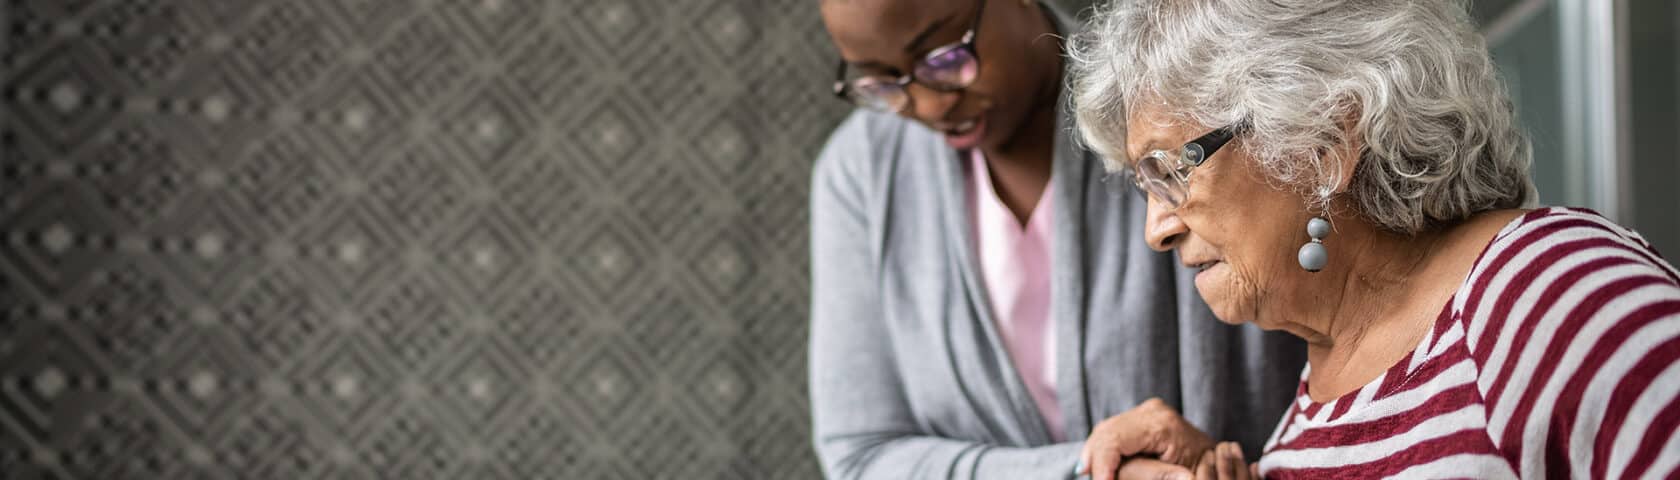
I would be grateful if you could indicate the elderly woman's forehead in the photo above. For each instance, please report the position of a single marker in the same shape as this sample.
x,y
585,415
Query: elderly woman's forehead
x,y
1144,124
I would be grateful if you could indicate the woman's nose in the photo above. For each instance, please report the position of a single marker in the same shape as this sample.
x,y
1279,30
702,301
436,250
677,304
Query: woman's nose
x,y
1162,227
931,106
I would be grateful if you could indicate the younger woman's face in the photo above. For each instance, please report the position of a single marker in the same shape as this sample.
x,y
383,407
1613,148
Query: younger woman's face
x,y
1019,63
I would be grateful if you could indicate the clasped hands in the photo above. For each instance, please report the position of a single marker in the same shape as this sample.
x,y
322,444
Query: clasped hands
x,y
1152,441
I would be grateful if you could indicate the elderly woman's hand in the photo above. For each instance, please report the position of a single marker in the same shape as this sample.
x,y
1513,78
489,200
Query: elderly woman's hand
x,y
1151,428
1225,462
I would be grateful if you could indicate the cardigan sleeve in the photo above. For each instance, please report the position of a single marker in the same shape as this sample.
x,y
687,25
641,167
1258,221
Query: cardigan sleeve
x,y
863,425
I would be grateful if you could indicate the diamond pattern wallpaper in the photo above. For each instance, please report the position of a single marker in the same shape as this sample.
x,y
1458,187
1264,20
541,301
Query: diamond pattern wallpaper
x,y
407,239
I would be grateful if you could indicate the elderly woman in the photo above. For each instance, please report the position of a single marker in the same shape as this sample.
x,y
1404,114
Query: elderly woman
x,y
1350,172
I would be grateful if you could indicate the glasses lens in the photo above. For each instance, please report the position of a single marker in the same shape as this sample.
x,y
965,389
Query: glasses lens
x,y
1154,177
878,93
948,68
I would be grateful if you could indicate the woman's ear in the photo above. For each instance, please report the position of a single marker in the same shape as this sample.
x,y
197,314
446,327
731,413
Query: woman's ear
x,y
1347,154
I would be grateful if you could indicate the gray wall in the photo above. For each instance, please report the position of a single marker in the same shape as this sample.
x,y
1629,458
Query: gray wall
x,y
1546,86
1654,74
406,239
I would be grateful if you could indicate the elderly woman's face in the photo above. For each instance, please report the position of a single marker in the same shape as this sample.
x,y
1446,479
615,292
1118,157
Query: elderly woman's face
x,y
1238,229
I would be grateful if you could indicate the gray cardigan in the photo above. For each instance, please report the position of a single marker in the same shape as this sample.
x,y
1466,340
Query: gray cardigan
x,y
909,378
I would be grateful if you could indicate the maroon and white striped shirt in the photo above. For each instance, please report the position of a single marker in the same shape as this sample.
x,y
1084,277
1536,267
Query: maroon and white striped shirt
x,y
1557,357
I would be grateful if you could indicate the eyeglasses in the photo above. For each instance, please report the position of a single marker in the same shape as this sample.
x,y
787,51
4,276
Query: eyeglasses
x,y
948,68
1166,175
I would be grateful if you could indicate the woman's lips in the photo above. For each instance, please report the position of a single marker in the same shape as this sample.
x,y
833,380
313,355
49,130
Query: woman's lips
x,y
1203,268
967,134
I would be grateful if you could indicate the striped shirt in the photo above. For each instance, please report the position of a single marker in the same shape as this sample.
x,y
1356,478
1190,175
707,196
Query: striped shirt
x,y
1557,357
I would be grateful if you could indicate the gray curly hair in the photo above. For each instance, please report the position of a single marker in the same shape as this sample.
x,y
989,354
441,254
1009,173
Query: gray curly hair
x,y
1440,140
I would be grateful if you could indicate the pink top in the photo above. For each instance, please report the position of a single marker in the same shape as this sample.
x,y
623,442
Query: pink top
x,y
1015,266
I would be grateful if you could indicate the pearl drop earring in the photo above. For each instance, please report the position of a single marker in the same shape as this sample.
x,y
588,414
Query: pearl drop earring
x,y
1313,256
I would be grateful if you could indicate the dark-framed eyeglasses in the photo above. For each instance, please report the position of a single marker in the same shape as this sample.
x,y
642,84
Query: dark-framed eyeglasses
x,y
1166,175
947,68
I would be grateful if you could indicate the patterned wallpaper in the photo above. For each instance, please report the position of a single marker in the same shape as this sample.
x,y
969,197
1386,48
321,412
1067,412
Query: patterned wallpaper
x,y
407,238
